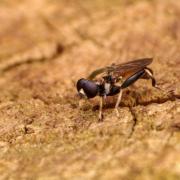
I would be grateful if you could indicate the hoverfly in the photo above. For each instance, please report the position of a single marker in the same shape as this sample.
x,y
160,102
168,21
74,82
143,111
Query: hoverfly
x,y
113,79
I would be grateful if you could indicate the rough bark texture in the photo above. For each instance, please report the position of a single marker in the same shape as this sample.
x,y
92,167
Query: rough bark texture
x,y
45,46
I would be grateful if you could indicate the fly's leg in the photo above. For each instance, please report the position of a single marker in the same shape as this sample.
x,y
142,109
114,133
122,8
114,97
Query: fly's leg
x,y
125,84
118,102
144,73
100,109
149,74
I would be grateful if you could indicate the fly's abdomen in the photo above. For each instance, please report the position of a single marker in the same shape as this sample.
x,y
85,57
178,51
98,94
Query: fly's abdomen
x,y
114,90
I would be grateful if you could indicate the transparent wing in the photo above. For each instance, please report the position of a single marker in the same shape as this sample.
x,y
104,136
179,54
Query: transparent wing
x,y
125,69
129,68
100,71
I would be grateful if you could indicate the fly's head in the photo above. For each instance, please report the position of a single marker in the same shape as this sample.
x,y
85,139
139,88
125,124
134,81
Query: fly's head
x,y
87,88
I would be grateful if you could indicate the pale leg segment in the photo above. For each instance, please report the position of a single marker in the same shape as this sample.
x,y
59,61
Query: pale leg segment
x,y
171,92
100,109
152,78
117,103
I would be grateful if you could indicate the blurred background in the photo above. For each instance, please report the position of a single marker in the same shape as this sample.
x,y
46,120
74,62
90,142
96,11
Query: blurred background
x,y
45,47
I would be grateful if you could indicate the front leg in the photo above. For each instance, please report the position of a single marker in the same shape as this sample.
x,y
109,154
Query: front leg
x,y
100,109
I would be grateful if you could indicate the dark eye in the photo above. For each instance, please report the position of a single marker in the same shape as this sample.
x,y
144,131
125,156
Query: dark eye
x,y
89,87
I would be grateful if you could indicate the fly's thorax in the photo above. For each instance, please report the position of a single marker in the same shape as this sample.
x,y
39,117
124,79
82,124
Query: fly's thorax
x,y
106,84
119,81
107,88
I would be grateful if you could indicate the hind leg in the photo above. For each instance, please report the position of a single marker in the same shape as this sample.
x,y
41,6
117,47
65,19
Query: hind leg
x,y
149,75
132,79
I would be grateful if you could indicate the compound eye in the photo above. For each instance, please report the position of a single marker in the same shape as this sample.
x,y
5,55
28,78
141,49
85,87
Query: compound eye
x,y
87,87
80,84
90,89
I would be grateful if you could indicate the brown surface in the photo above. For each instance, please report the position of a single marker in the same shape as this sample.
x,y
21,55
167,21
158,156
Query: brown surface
x,y
45,46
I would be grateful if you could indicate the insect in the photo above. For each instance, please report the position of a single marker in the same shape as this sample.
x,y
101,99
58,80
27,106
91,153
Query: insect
x,y
113,80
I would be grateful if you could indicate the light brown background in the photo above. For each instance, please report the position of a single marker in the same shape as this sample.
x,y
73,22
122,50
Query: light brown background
x,y
45,47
